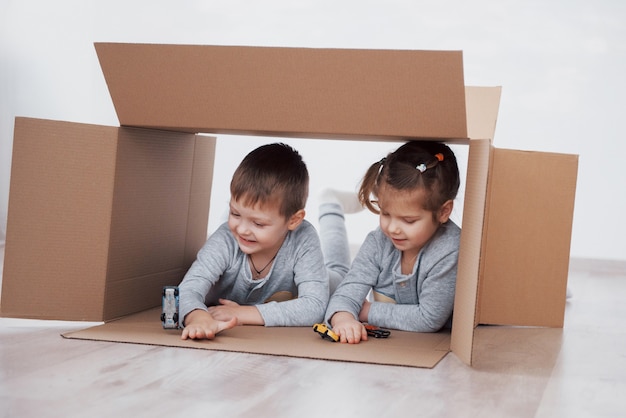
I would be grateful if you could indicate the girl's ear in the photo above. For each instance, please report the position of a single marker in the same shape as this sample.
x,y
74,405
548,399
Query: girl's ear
x,y
445,211
296,219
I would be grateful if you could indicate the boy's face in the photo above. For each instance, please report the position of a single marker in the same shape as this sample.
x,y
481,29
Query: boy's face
x,y
259,229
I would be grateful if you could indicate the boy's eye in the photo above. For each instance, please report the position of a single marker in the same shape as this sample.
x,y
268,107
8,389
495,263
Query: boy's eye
x,y
236,215
260,225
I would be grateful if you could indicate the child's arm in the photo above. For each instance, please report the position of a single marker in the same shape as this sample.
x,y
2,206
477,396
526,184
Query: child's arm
x,y
245,315
300,263
349,298
348,328
436,301
201,325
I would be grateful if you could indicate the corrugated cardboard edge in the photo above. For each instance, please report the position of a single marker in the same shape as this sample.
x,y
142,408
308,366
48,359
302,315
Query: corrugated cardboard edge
x,y
482,104
400,349
467,283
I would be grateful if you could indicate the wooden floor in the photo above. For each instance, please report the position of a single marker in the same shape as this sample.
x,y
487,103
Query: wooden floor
x,y
578,371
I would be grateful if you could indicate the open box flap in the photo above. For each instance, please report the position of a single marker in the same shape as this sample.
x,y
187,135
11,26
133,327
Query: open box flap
x,y
110,214
482,105
482,113
526,241
296,92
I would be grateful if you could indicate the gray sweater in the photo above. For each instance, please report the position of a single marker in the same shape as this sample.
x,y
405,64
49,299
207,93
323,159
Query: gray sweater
x,y
221,270
424,299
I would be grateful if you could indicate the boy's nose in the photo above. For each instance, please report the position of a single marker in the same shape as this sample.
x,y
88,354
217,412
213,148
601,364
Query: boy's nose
x,y
242,228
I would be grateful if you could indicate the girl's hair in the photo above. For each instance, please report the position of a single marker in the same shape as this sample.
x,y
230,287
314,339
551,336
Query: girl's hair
x,y
272,174
427,165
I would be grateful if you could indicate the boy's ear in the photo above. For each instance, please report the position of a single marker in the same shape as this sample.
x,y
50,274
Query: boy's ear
x,y
445,212
296,219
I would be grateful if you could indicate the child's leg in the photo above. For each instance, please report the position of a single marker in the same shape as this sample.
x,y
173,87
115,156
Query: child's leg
x,y
333,233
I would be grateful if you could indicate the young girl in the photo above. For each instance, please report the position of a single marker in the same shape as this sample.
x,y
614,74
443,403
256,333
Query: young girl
x,y
410,261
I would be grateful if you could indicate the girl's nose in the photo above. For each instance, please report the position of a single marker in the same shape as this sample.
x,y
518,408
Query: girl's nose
x,y
393,226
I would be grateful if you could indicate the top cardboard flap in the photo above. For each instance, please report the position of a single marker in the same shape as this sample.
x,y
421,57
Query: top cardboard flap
x,y
296,92
482,105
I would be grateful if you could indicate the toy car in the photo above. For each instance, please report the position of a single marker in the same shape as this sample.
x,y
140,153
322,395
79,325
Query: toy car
x,y
325,332
169,316
374,331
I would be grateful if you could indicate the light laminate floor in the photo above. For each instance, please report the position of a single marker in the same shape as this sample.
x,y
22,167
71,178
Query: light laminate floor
x,y
578,371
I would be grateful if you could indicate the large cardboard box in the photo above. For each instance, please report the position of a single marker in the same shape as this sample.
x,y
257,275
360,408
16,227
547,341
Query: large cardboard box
x,y
518,205
101,218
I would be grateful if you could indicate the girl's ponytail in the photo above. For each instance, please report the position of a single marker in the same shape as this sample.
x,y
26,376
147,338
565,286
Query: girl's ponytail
x,y
369,185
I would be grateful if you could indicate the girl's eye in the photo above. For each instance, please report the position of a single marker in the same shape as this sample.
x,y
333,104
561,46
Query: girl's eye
x,y
259,225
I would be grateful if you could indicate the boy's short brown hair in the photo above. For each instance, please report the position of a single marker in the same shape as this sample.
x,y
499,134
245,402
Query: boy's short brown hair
x,y
272,174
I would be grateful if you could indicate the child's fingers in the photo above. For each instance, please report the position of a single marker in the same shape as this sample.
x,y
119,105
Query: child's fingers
x,y
228,302
222,325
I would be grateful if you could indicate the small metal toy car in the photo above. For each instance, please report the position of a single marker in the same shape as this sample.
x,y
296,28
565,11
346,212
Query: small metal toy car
x,y
325,332
169,317
374,331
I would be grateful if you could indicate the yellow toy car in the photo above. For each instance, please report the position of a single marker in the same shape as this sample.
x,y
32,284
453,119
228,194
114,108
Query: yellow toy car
x,y
325,332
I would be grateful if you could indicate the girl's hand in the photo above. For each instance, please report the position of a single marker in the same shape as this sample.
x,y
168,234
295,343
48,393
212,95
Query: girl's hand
x,y
365,311
348,328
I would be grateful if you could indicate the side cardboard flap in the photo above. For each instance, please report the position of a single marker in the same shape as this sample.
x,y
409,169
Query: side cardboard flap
x,y
152,204
465,301
527,238
59,218
280,91
482,105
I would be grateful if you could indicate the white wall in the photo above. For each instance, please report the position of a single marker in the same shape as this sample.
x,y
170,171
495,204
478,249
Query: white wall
x,y
561,64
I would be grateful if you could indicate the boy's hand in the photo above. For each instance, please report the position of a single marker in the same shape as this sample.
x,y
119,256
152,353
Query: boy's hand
x,y
200,325
348,328
245,315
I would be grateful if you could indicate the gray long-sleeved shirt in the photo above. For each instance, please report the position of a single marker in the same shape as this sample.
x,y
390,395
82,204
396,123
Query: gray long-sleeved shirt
x,y
221,270
424,299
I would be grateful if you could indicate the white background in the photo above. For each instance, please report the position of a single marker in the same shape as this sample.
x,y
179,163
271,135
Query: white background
x,y
562,65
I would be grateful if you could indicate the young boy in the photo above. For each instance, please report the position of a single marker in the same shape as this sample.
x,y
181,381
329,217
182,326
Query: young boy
x,y
265,265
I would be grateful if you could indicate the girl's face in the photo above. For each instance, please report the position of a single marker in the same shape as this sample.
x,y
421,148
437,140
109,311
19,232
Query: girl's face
x,y
404,221
259,229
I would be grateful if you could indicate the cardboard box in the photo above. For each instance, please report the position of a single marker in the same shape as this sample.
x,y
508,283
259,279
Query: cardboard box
x,y
101,218
518,206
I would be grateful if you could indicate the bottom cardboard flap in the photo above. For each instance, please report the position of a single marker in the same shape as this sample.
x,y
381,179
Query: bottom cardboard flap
x,y
400,349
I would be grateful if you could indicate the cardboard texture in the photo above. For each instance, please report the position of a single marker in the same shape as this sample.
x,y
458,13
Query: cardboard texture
x,y
100,218
520,282
304,92
518,205
400,349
